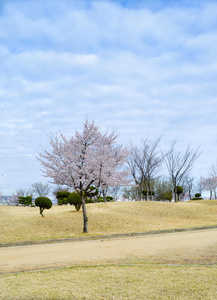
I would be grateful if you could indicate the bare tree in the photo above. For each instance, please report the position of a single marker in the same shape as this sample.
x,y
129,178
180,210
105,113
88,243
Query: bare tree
x,y
40,189
144,164
20,193
129,193
113,191
213,175
209,184
179,164
188,183
198,187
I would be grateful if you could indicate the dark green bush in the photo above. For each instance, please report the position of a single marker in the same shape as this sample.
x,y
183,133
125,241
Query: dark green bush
x,y
88,200
62,197
168,195
43,203
179,191
25,201
197,195
75,199
100,199
144,192
109,198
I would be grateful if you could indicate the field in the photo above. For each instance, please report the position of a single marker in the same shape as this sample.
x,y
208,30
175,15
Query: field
x,y
164,275
138,281
25,223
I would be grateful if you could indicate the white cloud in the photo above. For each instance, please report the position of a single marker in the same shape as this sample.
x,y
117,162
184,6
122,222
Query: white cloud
x,y
148,72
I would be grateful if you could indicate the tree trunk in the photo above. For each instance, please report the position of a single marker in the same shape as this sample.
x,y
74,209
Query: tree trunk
x,y
147,192
41,211
104,195
189,194
210,198
85,218
151,195
175,193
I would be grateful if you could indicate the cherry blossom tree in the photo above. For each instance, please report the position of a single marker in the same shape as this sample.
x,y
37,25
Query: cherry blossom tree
x,y
89,158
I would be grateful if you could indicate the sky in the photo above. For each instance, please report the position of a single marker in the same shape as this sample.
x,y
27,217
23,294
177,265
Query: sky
x,y
147,68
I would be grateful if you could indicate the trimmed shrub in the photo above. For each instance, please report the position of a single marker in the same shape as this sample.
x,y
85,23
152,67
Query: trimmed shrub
x,y
168,195
100,199
75,199
197,196
109,198
25,201
43,203
88,200
62,197
179,191
144,192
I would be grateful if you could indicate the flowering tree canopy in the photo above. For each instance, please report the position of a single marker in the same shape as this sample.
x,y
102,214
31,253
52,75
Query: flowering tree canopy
x,y
90,158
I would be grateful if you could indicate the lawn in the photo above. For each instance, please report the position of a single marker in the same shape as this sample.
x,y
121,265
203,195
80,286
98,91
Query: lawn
x,y
25,223
137,281
132,278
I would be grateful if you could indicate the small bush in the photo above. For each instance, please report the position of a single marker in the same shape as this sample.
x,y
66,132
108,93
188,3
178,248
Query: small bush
x,y
75,199
195,198
100,199
109,198
179,191
25,201
168,195
43,203
197,195
150,193
88,200
62,197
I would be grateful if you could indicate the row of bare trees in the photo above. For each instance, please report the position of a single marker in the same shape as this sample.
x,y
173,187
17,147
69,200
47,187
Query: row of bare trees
x,y
38,189
146,161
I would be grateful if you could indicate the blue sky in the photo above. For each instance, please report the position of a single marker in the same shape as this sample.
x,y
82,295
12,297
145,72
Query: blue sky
x,y
147,68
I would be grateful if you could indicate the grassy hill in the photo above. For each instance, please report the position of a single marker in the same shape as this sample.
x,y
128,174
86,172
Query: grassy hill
x,y
25,223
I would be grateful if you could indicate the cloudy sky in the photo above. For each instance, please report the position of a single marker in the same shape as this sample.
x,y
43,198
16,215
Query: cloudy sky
x,y
147,68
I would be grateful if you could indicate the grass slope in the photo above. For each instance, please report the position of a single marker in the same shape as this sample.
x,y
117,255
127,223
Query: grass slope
x,y
25,223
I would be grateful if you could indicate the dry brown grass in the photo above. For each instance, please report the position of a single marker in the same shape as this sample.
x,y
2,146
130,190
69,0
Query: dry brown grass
x,y
25,223
117,282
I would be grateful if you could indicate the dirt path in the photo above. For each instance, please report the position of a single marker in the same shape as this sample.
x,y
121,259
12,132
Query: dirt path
x,y
185,247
